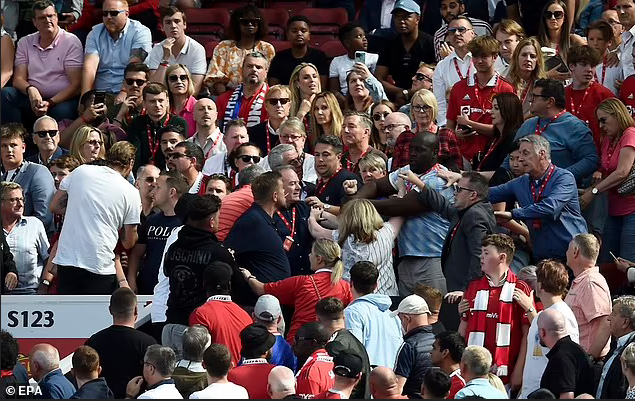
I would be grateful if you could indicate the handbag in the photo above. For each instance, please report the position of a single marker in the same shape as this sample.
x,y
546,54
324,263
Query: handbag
x,y
627,187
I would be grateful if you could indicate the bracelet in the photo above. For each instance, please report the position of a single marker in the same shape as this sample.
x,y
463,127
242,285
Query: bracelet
x,y
117,121
165,63
28,87
250,277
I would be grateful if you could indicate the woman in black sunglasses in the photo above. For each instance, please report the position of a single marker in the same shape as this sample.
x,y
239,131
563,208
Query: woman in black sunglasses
x,y
378,137
245,155
178,80
247,29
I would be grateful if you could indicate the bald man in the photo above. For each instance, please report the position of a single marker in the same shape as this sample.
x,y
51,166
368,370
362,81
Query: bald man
x,y
207,135
569,372
384,385
281,383
44,362
394,125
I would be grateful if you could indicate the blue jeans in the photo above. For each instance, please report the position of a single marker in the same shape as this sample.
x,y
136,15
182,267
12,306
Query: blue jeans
x,y
17,108
619,238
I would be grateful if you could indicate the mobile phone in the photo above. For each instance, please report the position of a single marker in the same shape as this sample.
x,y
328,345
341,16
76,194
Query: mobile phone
x,y
614,257
100,97
360,57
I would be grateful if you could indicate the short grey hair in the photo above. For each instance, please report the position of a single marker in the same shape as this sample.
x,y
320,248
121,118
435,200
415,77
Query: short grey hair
x,y
293,123
162,358
477,359
141,170
275,158
44,117
249,174
47,359
539,143
257,54
626,308
528,275
196,339
363,117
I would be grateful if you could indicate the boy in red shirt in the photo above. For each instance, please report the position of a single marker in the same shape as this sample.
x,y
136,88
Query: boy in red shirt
x,y
627,91
490,315
316,374
584,94
348,371
446,355
253,372
470,105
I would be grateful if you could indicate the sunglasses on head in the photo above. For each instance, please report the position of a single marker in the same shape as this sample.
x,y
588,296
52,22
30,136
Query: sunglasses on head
x,y
422,77
131,81
379,116
248,158
175,78
554,14
112,13
459,29
43,134
282,101
249,21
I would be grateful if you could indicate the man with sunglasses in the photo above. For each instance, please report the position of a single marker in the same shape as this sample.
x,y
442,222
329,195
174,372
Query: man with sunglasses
x,y
421,80
449,10
111,46
235,134
47,72
46,136
187,158
177,48
136,76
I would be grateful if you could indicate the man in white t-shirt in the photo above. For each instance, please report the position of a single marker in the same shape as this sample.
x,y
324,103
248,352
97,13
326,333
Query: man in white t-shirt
x,y
101,208
217,360
553,280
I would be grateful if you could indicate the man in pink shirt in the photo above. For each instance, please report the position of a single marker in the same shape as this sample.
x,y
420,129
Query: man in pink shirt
x,y
47,73
589,297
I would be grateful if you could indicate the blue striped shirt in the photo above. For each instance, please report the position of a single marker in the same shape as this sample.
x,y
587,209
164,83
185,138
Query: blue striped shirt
x,y
29,245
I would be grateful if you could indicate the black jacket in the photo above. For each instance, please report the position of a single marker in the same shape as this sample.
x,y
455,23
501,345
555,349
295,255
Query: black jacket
x,y
414,359
615,384
7,265
94,390
185,264
258,135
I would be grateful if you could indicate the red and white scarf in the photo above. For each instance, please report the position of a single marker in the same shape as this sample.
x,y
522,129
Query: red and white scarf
x,y
476,325
256,106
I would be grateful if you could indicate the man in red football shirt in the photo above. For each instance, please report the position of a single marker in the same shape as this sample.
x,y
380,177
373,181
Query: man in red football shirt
x,y
223,318
470,105
253,372
348,371
316,375
490,315
584,94
446,354
627,91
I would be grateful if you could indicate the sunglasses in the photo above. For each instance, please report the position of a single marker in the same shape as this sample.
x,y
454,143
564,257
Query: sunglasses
x,y
421,108
392,126
380,116
249,21
112,13
460,188
459,29
533,96
150,180
422,77
95,142
139,82
175,78
247,158
275,101
554,14
176,155
43,134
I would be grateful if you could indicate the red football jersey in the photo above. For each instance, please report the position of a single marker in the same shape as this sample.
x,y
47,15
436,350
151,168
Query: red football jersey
x,y
468,98
582,104
330,395
457,382
316,375
253,375
627,94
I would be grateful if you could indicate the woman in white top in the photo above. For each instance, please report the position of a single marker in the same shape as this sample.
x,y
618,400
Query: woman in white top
x,y
363,236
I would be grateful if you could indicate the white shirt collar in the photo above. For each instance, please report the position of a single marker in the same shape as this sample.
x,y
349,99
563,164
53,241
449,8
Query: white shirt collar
x,y
471,80
468,56
323,270
342,395
196,367
624,339
222,298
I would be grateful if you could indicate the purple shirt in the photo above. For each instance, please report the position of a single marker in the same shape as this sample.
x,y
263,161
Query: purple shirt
x,y
46,68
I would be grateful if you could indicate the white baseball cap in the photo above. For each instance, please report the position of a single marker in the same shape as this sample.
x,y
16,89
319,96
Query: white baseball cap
x,y
412,305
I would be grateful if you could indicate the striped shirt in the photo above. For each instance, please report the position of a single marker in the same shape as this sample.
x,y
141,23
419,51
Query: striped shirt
x,y
423,235
379,252
232,207
29,245
481,28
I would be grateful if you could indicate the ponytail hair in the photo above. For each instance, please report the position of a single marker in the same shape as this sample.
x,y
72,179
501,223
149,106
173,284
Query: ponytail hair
x,y
331,254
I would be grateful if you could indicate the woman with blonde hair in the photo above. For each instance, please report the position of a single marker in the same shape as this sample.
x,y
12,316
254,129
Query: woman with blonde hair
x,y
326,117
88,144
277,103
304,85
180,86
616,162
526,67
303,292
363,236
628,369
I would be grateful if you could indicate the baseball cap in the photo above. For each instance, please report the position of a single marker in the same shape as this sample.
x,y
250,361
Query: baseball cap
x,y
412,305
256,340
267,308
347,364
217,275
409,6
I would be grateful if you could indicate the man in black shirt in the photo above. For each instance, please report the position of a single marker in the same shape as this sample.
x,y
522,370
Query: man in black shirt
x,y
330,312
568,372
404,53
284,62
120,347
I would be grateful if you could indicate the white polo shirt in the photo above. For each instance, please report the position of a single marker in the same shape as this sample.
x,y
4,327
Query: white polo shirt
x,y
445,76
192,56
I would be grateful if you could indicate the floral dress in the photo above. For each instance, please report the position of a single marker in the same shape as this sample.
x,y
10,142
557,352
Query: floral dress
x,y
227,61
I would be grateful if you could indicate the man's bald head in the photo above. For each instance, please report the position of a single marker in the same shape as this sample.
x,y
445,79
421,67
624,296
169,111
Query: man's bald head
x,y
552,320
398,118
281,382
383,382
43,358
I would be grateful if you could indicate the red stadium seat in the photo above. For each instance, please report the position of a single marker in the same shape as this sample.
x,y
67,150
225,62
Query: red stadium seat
x,y
211,21
280,45
209,48
277,19
293,7
326,20
333,48
227,5
204,39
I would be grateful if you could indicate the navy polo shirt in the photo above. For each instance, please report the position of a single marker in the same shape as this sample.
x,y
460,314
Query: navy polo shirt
x,y
298,255
257,245
333,192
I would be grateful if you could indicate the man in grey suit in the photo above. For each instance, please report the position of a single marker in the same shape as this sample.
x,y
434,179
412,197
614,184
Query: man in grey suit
x,y
35,179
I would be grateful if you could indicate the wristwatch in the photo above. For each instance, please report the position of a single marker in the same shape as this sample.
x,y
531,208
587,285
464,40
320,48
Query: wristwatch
x,y
595,191
46,282
405,93
327,206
